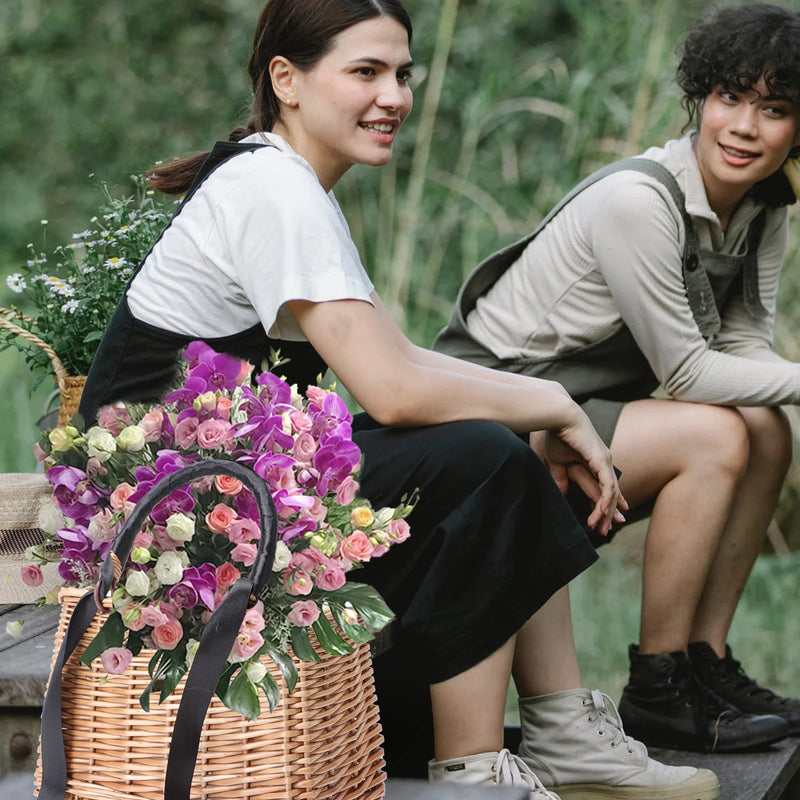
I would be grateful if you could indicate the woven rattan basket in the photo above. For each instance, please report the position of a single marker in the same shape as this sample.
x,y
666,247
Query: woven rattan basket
x,y
70,387
322,742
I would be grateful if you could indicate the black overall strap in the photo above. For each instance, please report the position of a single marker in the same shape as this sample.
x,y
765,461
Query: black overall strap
x,y
698,287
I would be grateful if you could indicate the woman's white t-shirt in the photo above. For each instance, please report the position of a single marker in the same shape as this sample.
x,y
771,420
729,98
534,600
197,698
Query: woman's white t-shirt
x,y
259,232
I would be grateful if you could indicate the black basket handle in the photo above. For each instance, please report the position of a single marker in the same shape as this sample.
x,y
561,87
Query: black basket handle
x,y
212,653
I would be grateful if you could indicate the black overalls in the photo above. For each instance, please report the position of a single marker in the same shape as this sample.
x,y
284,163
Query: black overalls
x,y
491,537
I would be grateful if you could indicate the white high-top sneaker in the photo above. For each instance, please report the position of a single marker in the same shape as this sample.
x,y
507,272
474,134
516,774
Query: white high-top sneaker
x,y
575,743
499,769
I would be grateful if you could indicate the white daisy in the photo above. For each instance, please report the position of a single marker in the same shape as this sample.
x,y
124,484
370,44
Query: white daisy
x,y
16,282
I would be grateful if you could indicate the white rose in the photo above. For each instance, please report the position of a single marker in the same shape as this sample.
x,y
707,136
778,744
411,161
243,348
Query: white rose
x,y
131,438
137,584
168,568
100,444
180,527
255,671
383,516
283,555
191,651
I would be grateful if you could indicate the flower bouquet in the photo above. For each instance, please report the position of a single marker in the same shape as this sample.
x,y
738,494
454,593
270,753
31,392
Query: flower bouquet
x,y
202,537
68,292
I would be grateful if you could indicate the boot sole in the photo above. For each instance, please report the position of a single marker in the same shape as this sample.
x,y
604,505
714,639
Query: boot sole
x,y
702,786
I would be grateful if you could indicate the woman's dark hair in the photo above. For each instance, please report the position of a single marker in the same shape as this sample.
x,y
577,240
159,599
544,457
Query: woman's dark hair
x,y
735,47
301,31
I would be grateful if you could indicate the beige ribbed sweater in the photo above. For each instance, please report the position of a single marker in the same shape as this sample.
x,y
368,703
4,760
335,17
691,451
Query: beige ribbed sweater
x,y
613,255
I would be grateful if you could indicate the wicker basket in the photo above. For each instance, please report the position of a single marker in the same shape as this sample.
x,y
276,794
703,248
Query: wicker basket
x,y
322,742
70,387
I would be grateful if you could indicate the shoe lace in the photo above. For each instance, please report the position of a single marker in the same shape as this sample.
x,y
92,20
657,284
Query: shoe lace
x,y
605,712
733,674
710,705
513,771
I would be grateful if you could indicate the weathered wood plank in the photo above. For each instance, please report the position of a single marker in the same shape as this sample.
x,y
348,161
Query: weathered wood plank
x,y
760,775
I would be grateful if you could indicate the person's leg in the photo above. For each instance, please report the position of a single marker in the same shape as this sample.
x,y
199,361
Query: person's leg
x,y
468,709
689,458
770,454
756,498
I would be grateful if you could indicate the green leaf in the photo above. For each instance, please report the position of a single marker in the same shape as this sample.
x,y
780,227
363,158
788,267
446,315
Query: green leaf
x,y
156,669
176,669
134,642
242,696
271,690
225,679
112,634
93,336
357,633
368,604
301,645
284,663
330,640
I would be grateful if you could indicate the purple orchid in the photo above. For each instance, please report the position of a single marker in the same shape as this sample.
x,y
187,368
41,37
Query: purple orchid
x,y
196,583
75,494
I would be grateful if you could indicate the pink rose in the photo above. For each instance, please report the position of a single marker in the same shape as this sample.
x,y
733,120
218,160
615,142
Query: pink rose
x,y
228,485
399,530
116,660
94,466
204,484
213,433
120,495
297,581
224,407
167,636
243,530
379,550
153,616
357,547
102,527
113,418
31,575
317,511
247,644
244,374
244,553
163,540
305,445
151,425
170,609
316,395
38,453
301,422
186,432
303,613
330,578
220,518
143,539
132,617
253,619
346,491
227,575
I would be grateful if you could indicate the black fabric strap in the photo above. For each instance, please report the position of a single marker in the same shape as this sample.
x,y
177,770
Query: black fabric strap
x,y
215,643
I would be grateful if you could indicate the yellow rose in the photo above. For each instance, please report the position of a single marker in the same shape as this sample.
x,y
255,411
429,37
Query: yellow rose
x,y
60,440
361,517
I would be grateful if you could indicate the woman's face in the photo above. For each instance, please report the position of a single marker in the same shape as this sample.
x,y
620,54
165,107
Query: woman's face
x,y
744,137
347,108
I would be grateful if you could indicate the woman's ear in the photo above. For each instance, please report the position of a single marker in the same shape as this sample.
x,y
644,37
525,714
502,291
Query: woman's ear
x,y
282,74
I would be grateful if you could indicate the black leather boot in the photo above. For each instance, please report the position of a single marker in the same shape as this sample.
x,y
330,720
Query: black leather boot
x,y
725,677
664,705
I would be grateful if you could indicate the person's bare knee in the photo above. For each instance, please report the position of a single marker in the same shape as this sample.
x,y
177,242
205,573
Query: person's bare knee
x,y
770,437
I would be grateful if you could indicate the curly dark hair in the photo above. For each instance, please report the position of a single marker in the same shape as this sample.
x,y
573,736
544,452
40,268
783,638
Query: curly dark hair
x,y
735,47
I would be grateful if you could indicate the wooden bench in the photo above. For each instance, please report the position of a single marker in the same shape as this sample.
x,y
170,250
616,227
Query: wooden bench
x,y
770,774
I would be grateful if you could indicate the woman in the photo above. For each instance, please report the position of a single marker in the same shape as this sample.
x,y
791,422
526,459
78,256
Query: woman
x,y
259,257
664,270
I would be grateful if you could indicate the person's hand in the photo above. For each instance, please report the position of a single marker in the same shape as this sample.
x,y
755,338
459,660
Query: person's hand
x,y
576,453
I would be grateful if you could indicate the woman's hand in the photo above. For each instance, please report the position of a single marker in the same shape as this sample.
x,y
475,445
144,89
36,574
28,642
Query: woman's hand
x,y
576,453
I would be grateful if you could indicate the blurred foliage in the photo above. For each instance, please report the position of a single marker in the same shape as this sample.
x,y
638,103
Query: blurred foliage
x,y
515,101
